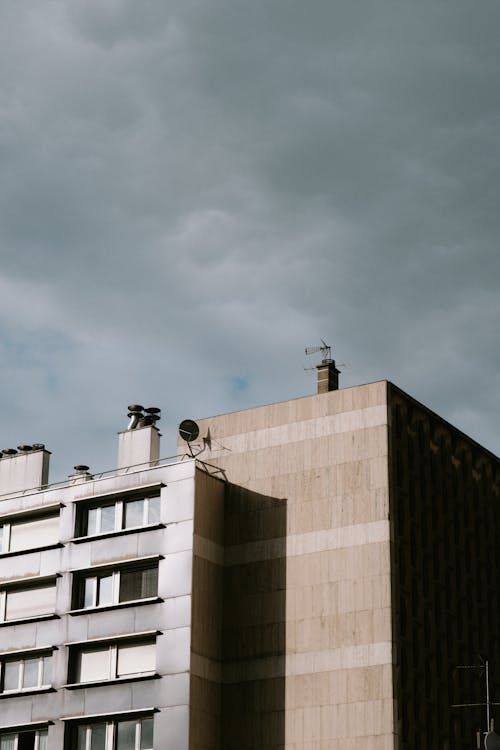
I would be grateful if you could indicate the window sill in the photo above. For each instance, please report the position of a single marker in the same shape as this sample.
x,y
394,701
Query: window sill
x,y
38,618
29,550
115,681
27,691
119,605
117,532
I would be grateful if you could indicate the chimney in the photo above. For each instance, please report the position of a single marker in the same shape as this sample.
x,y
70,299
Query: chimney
x,y
26,468
140,442
81,474
328,376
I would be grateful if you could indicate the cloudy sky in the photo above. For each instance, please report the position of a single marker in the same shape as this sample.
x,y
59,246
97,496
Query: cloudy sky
x,y
192,191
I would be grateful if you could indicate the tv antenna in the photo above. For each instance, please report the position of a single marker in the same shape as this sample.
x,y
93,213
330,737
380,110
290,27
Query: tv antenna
x,y
492,740
325,350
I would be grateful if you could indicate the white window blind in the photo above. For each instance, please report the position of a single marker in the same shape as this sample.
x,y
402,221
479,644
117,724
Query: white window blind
x,y
135,659
37,532
30,602
94,664
115,660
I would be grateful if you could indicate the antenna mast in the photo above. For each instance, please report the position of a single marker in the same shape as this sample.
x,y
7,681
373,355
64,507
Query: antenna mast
x,y
490,736
328,374
325,350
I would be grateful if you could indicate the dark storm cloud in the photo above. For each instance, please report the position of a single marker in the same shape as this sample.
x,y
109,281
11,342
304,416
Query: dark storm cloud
x,y
193,191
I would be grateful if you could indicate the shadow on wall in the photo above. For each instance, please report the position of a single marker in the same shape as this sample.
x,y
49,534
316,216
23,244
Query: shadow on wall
x,y
254,621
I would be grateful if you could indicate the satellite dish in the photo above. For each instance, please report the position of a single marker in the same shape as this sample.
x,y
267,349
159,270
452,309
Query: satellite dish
x,y
492,741
189,430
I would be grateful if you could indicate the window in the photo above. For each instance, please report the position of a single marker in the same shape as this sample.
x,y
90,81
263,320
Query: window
x,y
110,587
120,514
111,661
30,672
28,533
133,734
28,740
28,601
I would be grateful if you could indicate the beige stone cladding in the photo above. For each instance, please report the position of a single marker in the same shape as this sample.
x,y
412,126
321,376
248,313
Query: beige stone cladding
x,y
326,458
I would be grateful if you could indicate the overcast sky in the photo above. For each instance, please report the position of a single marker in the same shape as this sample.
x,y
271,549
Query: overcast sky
x,y
192,191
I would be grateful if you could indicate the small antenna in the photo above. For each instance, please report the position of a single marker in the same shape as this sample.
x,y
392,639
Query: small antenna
x,y
492,740
325,350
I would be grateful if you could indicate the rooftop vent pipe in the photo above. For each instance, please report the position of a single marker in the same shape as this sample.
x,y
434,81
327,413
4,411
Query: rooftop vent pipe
x,y
134,414
81,474
140,442
141,417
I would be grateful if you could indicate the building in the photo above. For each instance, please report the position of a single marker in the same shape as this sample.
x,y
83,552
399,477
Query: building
x,y
305,576
95,600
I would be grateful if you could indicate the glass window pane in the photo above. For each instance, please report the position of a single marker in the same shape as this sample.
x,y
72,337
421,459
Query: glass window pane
x,y
47,670
147,734
26,741
133,512
130,585
7,741
138,584
105,594
93,665
135,659
34,533
149,582
30,678
92,522
81,742
98,741
1,540
89,595
30,602
154,510
107,518
42,739
126,735
11,675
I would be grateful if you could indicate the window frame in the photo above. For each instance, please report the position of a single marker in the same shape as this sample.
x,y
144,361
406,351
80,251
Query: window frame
x,y
113,648
111,730
19,585
95,574
29,516
118,500
119,506
21,658
40,732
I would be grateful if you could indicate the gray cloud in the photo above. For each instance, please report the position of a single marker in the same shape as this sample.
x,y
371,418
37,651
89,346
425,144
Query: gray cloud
x,y
192,192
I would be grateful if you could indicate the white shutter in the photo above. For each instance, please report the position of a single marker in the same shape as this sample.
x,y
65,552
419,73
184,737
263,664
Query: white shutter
x,y
136,658
94,665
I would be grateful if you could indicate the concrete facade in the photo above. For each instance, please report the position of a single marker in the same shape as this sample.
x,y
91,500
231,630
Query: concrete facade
x,y
49,715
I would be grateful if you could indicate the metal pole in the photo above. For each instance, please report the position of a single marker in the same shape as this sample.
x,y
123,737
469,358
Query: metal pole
x,y
487,696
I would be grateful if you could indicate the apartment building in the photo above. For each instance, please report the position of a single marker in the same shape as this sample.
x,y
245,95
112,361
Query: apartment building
x,y
305,575
96,579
